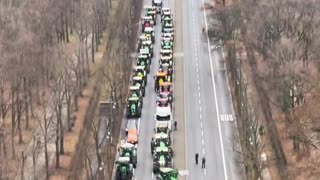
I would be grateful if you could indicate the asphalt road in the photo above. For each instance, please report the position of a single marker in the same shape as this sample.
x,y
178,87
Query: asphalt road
x,y
209,118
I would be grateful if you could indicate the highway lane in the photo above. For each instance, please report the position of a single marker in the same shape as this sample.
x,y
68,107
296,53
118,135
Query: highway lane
x,y
209,115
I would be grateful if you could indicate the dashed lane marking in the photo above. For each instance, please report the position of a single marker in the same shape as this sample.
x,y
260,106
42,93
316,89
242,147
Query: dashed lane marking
x,y
201,124
200,109
200,116
203,152
202,141
201,132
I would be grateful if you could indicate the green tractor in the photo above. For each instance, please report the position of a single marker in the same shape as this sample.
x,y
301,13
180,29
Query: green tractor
x,y
151,11
146,51
167,22
124,169
139,81
163,139
167,44
134,107
135,91
129,150
167,174
141,71
143,44
143,60
162,158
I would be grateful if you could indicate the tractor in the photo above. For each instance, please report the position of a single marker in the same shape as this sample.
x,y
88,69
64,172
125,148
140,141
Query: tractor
x,y
160,78
162,158
134,106
143,60
151,11
141,71
167,22
163,138
150,31
166,67
167,173
129,150
147,21
145,50
139,81
124,170
143,44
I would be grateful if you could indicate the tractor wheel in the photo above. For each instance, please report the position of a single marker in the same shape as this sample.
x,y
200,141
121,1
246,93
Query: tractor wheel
x,y
117,176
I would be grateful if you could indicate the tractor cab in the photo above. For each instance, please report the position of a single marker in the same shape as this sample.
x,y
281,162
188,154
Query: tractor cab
x,y
166,67
151,11
167,173
146,51
168,31
166,59
166,53
162,158
166,45
166,87
166,14
129,150
164,99
165,10
147,21
143,60
161,128
160,78
162,140
124,170
141,72
144,37
134,106
167,37
147,45
135,91
139,81
150,31
158,5
167,22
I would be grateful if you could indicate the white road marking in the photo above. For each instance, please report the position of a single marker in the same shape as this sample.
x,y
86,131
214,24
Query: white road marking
x,y
205,171
203,152
152,175
139,124
198,88
200,116
201,132
199,95
202,141
226,117
199,100
200,109
215,95
201,124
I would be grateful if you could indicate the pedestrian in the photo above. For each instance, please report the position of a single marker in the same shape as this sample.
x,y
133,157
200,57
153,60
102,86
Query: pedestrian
x,y
203,162
152,146
175,125
196,157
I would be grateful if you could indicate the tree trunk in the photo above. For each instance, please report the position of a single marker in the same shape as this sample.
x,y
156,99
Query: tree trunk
x,y
68,99
30,103
19,114
13,122
61,130
46,144
57,146
67,26
26,101
92,45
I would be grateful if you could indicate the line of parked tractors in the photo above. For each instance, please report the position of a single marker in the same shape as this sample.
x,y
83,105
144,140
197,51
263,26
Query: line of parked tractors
x,y
161,149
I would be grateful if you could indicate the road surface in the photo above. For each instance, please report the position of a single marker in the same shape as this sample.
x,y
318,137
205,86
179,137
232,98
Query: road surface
x,y
147,123
209,117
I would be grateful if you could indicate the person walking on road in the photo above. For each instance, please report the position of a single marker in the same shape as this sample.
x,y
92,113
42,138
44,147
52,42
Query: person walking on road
x,y
175,125
152,146
203,162
196,157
